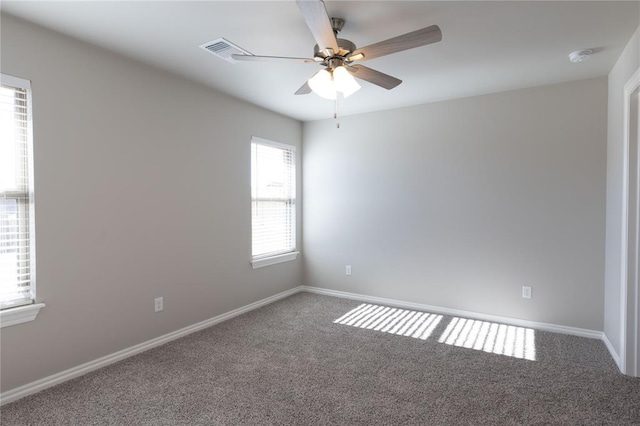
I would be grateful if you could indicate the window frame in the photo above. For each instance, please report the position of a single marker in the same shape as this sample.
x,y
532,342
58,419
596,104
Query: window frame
x,y
24,312
262,260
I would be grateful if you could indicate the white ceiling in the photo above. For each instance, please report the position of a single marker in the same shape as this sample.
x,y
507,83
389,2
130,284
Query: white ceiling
x,y
487,46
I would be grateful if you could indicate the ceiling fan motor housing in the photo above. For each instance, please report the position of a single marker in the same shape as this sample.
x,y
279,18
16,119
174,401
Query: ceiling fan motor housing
x,y
346,47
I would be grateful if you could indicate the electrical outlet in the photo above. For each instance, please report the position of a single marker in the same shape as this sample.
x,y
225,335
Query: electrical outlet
x,y
526,292
159,304
347,270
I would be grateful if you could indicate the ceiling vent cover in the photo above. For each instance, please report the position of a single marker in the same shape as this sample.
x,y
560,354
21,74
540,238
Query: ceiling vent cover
x,y
224,49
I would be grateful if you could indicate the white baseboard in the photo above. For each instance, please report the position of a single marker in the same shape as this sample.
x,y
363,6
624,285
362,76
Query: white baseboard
x,y
574,331
63,376
612,352
38,385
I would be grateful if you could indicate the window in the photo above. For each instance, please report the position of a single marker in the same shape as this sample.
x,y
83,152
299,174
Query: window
x,y
17,285
273,202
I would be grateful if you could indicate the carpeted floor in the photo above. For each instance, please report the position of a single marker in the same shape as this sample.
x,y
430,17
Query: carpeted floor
x,y
290,363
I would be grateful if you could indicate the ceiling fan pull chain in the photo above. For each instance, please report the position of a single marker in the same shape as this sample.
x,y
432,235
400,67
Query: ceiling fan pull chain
x,y
335,114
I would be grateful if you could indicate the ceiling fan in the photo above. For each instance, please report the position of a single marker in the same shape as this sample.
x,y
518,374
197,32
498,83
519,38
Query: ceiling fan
x,y
337,56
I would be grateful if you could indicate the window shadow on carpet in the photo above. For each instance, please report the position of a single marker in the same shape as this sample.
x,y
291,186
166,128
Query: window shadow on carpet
x,y
402,322
500,339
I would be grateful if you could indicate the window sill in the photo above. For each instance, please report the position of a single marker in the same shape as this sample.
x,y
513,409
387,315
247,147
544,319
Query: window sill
x,y
266,261
13,316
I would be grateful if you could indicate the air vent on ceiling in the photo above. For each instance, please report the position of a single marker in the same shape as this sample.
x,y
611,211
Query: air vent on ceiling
x,y
224,49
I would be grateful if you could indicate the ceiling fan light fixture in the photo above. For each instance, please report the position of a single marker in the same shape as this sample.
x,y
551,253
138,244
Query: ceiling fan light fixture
x,y
344,82
327,83
322,84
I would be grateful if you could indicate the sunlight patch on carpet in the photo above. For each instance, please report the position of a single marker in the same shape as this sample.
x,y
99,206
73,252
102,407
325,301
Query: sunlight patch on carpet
x,y
402,322
501,339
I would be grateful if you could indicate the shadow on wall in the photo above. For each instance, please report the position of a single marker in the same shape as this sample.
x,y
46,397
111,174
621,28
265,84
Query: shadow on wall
x,y
500,339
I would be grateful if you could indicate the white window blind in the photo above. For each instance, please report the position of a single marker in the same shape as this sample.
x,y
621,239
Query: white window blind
x,y
273,198
16,193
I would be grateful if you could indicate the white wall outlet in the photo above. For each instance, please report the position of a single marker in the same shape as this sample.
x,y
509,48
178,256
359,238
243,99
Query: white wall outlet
x,y
159,304
347,270
526,292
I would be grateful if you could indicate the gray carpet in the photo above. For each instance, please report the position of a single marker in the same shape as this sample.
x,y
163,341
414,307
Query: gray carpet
x,y
289,363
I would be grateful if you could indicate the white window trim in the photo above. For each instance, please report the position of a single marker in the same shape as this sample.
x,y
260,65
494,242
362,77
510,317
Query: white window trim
x,y
15,81
268,260
272,260
25,313
274,144
14,316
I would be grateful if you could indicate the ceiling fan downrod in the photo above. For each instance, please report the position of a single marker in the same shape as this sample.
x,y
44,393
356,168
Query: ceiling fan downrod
x,y
336,25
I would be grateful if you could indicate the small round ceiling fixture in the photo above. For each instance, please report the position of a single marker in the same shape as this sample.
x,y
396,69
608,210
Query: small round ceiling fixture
x,y
580,55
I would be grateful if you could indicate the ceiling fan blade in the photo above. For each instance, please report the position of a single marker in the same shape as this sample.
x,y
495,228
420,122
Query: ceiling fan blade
x,y
304,89
372,76
406,41
317,19
282,59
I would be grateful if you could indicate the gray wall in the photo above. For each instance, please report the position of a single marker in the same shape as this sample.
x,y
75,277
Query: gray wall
x,y
458,204
627,64
142,190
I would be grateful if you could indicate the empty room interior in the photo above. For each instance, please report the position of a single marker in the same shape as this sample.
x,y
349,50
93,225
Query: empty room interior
x,y
308,212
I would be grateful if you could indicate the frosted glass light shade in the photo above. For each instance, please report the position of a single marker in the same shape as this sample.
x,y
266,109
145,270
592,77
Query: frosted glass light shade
x,y
327,84
344,82
322,85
